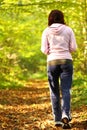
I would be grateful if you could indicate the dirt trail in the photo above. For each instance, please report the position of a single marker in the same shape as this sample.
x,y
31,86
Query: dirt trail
x,y
29,108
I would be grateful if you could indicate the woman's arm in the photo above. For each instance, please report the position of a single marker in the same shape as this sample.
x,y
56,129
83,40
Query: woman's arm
x,y
44,43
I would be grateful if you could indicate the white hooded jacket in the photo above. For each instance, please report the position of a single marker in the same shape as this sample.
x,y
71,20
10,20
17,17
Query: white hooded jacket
x,y
58,41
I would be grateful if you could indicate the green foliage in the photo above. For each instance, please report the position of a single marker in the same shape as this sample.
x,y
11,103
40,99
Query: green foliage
x,y
21,26
79,90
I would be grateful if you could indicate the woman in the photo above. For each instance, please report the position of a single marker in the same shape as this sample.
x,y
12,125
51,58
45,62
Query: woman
x,y
58,42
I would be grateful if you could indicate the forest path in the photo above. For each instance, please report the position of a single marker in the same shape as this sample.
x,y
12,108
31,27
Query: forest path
x,y
29,108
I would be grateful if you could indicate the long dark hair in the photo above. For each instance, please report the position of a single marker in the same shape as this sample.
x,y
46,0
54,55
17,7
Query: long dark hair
x,y
55,16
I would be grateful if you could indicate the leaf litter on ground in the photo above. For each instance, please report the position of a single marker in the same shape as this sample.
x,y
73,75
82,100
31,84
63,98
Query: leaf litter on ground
x,y
29,108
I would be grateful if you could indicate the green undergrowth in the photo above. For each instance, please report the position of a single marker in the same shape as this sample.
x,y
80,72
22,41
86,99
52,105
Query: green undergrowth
x,y
79,91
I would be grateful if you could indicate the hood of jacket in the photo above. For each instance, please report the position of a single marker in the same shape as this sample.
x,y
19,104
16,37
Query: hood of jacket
x,y
56,28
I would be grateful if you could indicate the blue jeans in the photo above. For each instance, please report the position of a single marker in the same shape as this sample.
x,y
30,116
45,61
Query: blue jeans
x,y
60,78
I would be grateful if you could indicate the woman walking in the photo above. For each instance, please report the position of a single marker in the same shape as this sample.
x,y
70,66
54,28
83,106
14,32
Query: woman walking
x,y
58,42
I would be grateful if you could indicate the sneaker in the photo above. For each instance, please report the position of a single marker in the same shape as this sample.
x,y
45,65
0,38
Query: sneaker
x,y
66,124
58,124
70,119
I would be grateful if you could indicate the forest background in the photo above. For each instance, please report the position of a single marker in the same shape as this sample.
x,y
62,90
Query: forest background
x,y
24,95
21,26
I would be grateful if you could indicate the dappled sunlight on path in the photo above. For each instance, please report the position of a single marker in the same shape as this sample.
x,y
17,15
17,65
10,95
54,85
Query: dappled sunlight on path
x,y
29,108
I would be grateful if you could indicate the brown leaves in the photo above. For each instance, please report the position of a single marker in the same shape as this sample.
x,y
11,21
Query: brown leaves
x,y
29,108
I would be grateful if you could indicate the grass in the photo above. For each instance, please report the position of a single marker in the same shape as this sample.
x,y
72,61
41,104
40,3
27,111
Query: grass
x,y
79,92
